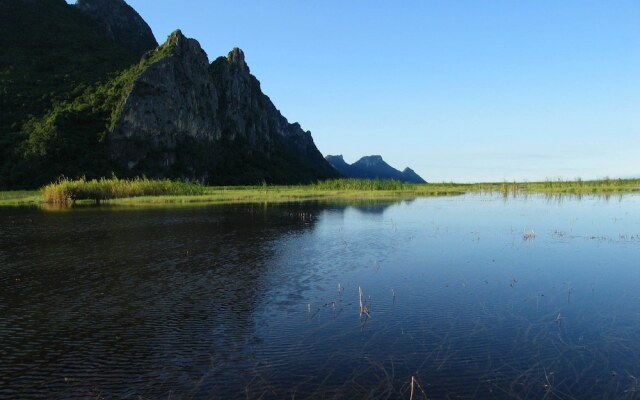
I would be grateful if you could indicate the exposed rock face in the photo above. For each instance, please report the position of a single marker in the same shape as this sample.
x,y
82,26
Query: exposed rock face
x,y
373,167
174,98
120,23
188,119
249,114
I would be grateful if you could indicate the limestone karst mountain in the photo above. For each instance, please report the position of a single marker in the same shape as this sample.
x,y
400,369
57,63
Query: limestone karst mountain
x,y
86,104
372,167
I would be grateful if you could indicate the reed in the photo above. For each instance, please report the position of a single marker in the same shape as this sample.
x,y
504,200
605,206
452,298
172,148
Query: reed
x,y
67,191
364,307
364,184
414,384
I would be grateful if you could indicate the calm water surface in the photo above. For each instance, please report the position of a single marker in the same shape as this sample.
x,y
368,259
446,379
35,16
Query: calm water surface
x,y
475,296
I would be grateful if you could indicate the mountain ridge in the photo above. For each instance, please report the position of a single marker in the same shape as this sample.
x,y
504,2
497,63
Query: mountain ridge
x,y
372,167
120,23
175,115
168,114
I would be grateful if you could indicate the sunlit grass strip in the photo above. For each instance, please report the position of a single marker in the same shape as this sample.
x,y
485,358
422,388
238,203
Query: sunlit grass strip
x,y
68,191
145,191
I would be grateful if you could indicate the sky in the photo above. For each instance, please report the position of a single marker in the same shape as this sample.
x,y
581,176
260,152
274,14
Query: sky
x,y
463,91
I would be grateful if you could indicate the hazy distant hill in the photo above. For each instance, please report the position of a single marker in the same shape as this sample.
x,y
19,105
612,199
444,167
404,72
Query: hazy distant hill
x,y
372,167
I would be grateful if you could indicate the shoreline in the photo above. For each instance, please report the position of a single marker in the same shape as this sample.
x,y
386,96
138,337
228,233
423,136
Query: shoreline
x,y
313,192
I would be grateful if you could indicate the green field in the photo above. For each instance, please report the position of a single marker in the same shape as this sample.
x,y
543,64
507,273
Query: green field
x,y
156,192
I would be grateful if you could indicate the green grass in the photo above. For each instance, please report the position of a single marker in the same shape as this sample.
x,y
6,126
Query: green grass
x,y
69,191
142,191
21,197
579,186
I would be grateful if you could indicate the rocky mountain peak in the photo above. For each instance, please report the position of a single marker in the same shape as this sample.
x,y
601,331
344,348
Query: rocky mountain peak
x,y
120,23
183,46
236,57
208,122
176,37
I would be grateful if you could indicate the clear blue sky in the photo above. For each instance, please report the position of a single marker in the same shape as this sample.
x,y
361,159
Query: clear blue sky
x,y
458,90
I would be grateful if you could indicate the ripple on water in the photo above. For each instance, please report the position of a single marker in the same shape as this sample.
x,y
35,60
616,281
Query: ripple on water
x,y
214,302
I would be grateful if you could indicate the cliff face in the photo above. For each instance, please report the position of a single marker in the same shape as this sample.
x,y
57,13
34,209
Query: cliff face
x,y
190,119
120,23
172,99
373,167
248,114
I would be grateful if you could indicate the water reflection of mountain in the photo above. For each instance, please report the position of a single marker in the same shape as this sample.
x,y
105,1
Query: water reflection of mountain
x,y
120,298
117,299
365,206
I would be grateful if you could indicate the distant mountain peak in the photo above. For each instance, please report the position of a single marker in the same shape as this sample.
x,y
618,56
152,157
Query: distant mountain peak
x,y
373,157
373,160
372,167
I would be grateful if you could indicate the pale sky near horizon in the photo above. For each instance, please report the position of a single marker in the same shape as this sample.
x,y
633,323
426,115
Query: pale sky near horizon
x,y
461,91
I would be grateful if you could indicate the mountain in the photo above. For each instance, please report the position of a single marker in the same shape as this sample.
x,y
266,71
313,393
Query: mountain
x,y
410,175
169,114
372,167
120,23
51,52
340,165
209,122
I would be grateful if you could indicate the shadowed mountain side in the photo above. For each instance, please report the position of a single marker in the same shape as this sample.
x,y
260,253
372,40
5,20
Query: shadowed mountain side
x,y
372,167
121,23
52,52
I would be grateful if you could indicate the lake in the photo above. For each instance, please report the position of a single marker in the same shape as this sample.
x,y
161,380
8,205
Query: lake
x,y
474,296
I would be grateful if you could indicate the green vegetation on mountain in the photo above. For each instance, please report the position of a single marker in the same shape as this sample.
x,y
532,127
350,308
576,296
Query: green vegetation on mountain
x,y
51,54
71,139
77,104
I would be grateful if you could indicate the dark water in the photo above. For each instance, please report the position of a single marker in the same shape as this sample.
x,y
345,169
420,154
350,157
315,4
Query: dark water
x,y
244,301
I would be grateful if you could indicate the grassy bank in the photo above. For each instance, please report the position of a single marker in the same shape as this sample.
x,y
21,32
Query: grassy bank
x,y
145,191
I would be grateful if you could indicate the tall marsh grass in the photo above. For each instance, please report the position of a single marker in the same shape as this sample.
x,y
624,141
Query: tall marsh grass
x,y
68,191
363,184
